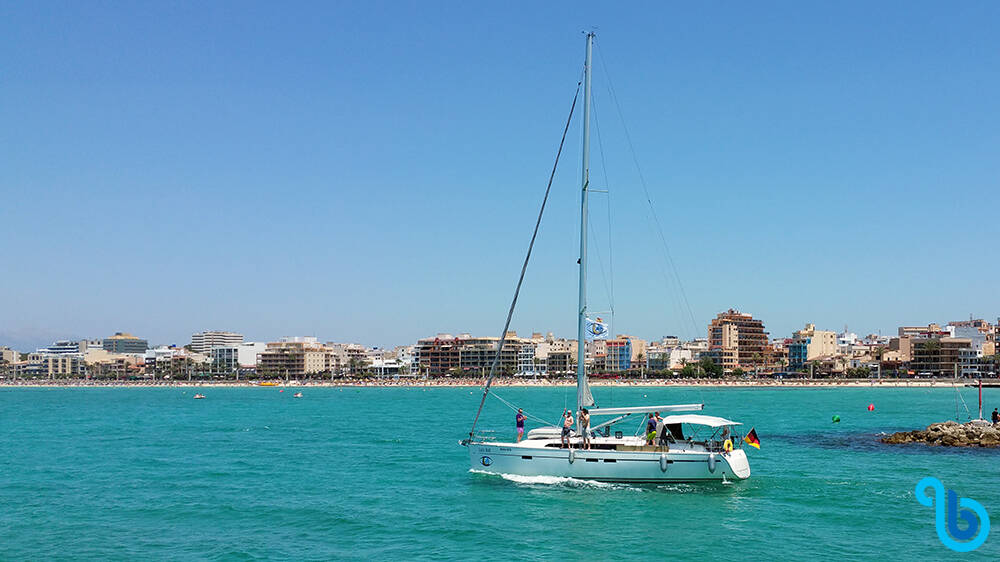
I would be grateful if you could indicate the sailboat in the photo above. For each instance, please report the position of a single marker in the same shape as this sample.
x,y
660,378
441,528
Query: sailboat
x,y
685,447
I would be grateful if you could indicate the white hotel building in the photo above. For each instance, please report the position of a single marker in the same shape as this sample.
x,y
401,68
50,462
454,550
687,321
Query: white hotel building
x,y
203,342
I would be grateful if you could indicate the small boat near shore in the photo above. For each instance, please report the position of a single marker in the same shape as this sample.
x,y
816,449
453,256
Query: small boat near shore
x,y
199,396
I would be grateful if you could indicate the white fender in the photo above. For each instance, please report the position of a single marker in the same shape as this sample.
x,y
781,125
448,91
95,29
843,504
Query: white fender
x,y
663,463
711,463
572,455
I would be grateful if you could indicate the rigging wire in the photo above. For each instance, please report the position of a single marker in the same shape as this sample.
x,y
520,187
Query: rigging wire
x,y
958,396
610,284
649,200
956,406
524,267
600,262
593,233
514,407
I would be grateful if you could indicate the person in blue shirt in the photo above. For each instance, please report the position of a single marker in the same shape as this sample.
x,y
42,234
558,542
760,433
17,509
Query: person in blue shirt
x,y
650,429
519,419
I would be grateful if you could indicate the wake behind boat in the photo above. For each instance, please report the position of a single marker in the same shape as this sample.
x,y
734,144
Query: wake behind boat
x,y
674,448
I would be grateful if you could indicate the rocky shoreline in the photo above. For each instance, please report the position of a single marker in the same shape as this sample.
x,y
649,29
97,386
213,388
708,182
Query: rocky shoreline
x,y
950,434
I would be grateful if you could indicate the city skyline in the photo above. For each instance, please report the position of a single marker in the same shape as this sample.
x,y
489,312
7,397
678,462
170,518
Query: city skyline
x,y
28,345
736,343
370,174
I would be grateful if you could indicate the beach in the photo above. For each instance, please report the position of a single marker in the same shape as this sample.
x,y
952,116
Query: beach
x,y
511,382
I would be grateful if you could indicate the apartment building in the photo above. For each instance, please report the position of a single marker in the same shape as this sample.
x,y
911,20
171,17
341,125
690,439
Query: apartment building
x,y
810,344
203,342
671,353
940,356
123,342
557,356
438,355
444,354
476,354
353,358
234,358
9,355
560,362
528,362
293,357
618,356
52,366
736,340
65,347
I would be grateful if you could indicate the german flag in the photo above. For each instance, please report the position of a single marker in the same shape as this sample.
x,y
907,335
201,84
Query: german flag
x,y
751,438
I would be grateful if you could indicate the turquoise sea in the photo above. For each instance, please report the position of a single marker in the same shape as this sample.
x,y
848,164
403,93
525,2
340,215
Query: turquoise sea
x,y
377,473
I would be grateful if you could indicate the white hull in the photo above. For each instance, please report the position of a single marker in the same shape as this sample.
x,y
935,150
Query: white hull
x,y
679,464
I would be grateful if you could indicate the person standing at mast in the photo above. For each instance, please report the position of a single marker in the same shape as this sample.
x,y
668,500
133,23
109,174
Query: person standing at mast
x,y
585,427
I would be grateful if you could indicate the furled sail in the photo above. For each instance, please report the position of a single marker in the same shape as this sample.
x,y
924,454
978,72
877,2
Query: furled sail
x,y
583,396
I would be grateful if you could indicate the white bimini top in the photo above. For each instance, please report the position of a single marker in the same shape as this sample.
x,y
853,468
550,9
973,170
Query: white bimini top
x,y
698,419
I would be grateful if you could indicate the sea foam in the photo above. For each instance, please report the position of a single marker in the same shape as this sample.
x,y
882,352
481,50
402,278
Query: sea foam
x,y
555,481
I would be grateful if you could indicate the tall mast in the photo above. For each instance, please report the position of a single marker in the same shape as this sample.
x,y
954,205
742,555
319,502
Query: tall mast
x,y
582,392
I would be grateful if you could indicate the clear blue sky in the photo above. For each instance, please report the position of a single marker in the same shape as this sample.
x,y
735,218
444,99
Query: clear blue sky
x,y
370,172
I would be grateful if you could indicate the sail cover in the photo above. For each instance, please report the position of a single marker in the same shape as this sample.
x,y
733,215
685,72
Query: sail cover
x,y
583,395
